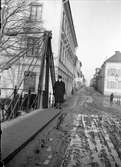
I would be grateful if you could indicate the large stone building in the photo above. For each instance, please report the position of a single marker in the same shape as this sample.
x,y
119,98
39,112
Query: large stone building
x,y
52,16
108,78
15,73
64,42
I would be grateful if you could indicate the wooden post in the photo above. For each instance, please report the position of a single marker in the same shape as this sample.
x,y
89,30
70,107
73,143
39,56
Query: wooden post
x,y
52,69
46,91
14,102
49,66
28,100
40,84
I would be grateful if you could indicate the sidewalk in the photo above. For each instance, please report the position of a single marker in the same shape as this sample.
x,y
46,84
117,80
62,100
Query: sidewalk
x,y
105,101
17,132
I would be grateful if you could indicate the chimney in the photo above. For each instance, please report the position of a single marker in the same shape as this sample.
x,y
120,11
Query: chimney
x,y
117,52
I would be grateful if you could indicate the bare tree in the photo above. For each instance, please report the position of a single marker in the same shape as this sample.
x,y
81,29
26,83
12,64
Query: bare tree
x,y
12,21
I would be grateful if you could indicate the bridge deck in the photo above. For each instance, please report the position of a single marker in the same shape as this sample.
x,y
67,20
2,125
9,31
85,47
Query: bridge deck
x,y
16,132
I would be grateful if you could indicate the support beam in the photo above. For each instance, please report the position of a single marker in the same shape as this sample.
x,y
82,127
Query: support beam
x,y
46,91
40,84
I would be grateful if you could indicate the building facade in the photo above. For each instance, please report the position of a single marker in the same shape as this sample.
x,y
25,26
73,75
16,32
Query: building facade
x,y
108,79
67,49
52,16
23,72
64,42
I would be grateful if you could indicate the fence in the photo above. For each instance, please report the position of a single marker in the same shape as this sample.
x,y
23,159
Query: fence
x,y
117,100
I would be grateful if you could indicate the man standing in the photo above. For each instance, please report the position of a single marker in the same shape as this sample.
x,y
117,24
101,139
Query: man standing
x,y
111,98
59,91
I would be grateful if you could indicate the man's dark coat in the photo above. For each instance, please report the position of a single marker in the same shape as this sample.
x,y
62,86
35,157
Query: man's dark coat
x,y
59,91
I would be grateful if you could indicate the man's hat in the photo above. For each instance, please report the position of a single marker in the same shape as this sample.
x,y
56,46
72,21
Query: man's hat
x,y
59,76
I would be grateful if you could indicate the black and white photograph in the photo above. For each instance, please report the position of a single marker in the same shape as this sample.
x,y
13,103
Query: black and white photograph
x,y
60,83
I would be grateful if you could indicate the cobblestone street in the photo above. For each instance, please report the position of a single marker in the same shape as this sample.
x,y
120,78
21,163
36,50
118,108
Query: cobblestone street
x,y
88,133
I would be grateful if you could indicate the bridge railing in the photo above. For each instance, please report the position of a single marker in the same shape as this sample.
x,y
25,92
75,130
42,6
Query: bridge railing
x,y
26,102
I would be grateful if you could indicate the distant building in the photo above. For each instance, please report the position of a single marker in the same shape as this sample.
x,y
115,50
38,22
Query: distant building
x,y
108,79
78,75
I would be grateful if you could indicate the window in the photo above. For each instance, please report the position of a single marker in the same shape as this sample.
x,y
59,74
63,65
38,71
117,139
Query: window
x,y
61,51
29,80
63,22
36,12
0,80
114,72
33,13
66,26
111,72
111,85
32,46
119,85
66,56
64,52
39,13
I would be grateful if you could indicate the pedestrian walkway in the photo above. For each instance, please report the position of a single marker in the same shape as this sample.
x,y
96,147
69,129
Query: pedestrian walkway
x,y
103,100
16,132
106,103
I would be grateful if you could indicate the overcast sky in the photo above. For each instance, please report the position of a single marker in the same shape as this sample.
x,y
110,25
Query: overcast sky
x,y
98,29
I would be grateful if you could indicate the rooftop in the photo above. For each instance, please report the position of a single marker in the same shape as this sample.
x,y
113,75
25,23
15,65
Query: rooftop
x,y
116,58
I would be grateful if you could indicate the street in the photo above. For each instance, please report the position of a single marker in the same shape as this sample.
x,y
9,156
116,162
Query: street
x,y
60,83
87,134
